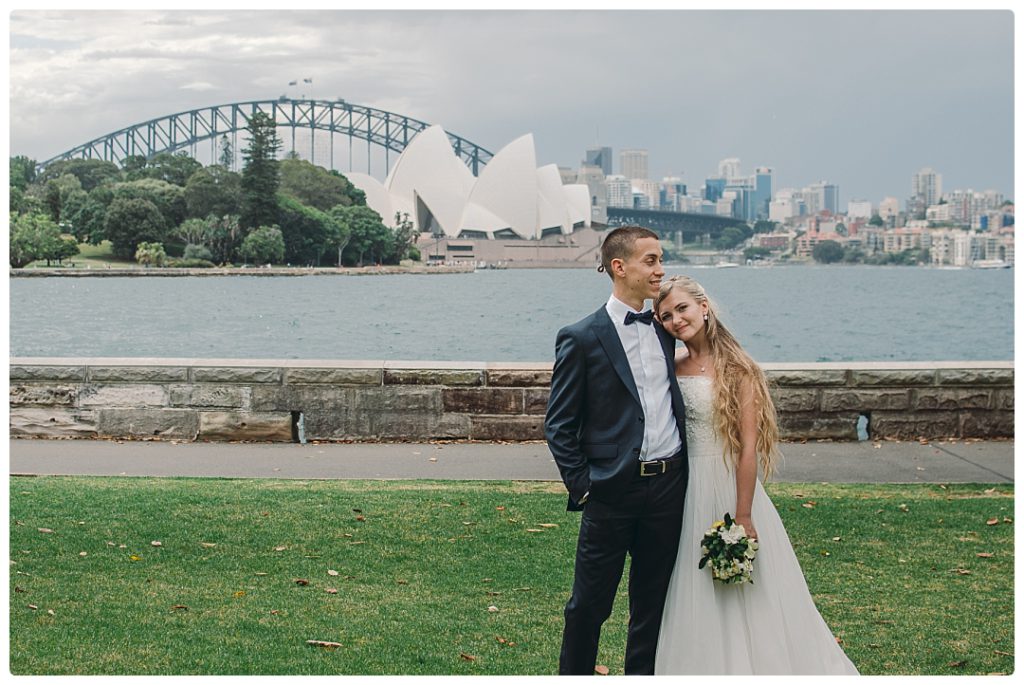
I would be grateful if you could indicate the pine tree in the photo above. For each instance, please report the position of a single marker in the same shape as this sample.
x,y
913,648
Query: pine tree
x,y
260,175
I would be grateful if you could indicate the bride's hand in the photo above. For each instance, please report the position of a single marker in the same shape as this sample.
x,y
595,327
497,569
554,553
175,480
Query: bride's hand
x,y
748,526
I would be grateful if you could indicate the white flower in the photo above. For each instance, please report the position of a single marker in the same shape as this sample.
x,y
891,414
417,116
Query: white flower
x,y
734,534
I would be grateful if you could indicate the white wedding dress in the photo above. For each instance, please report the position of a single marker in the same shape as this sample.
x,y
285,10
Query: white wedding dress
x,y
768,627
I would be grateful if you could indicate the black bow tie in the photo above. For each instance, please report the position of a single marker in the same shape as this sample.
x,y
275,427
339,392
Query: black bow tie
x,y
643,317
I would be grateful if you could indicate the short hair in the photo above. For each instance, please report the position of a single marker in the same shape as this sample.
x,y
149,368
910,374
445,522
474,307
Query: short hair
x,y
620,243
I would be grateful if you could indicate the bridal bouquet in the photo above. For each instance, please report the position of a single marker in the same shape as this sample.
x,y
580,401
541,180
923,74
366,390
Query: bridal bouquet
x,y
729,550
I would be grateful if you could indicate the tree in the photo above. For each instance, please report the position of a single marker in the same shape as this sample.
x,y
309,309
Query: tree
x,y
261,173
213,190
33,236
827,252
756,253
225,237
168,198
150,254
194,231
91,173
23,172
57,191
369,236
307,231
68,248
876,220
265,245
341,231
841,229
730,238
173,168
314,186
761,226
403,237
130,221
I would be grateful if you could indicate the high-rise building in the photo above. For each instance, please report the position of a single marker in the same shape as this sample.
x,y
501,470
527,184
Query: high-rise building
x,y
822,196
713,188
671,188
594,178
620,191
729,169
633,164
600,157
927,185
858,209
762,194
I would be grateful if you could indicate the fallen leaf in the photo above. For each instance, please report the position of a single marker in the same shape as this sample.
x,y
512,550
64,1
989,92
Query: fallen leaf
x,y
358,511
963,571
836,539
492,608
534,530
358,542
808,505
360,518
50,612
957,664
1007,519
178,607
500,508
331,572
992,522
877,445
44,530
903,507
259,573
281,548
601,670
402,582
301,581
208,544
467,657
330,591
83,554
825,553
347,535
990,491
996,651
135,558
264,513
985,555
19,589
324,644
240,593
433,459
548,525
33,607
274,612
493,593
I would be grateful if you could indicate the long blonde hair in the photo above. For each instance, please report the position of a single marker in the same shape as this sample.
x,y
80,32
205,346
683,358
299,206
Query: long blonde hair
x,y
733,366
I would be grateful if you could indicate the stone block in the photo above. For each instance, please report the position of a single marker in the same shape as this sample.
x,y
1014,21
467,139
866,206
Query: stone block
x,y
864,400
914,424
535,401
199,396
27,372
975,376
139,374
838,426
253,426
122,396
483,400
949,398
164,423
1004,399
303,376
808,377
506,428
788,400
52,423
44,395
986,424
893,377
519,378
235,374
464,377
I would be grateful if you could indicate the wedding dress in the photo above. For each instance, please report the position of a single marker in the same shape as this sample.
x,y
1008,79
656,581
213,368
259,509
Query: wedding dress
x,y
768,627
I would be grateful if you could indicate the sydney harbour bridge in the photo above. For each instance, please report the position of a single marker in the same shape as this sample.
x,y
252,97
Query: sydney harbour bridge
x,y
380,130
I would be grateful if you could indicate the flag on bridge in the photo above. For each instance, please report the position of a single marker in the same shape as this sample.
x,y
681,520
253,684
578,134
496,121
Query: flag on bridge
x,y
307,80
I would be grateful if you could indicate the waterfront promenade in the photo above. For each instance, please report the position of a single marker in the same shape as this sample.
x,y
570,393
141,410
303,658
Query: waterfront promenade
x,y
883,461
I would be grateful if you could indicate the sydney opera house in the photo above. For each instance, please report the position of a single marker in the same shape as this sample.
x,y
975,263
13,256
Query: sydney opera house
x,y
513,211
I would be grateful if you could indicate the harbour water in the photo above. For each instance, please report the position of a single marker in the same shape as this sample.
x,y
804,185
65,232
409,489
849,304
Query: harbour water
x,y
780,314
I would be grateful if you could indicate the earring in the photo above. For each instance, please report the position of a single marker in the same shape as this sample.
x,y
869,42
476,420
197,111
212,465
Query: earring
x,y
705,316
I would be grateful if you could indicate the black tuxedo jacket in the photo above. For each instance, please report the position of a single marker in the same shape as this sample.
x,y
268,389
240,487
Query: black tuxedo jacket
x,y
595,422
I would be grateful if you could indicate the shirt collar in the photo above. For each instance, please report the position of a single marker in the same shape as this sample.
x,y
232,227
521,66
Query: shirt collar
x,y
618,309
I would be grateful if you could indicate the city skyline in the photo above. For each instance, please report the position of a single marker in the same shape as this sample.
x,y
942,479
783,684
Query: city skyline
x,y
819,95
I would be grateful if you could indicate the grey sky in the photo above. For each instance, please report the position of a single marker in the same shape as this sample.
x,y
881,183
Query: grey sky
x,y
862,99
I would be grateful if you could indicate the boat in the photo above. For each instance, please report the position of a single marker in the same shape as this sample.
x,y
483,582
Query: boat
x,y
990,264
726,265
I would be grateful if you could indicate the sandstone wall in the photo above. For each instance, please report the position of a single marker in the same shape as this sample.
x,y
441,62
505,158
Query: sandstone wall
x,y
275,400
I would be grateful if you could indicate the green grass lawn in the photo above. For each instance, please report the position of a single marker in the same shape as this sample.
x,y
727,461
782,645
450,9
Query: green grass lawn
x,y
91,256
452,578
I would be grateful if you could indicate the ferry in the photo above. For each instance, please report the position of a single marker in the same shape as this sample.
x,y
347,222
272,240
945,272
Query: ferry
x,y
990,264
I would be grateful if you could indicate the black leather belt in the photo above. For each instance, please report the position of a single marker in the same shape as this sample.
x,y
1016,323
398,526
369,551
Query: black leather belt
x,y
656,467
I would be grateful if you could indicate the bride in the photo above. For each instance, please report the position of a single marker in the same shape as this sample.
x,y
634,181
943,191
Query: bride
x,y
772,625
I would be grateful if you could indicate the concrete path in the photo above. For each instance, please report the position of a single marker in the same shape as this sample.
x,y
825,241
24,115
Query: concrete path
x,y
836,462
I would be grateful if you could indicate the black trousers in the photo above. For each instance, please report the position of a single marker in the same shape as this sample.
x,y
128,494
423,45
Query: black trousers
x,y
644,520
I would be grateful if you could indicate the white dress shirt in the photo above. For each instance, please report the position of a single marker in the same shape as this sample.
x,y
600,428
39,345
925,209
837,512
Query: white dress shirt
x,y
650,373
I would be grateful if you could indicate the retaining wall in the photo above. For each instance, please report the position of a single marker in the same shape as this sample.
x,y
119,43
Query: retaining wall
x,y
277,400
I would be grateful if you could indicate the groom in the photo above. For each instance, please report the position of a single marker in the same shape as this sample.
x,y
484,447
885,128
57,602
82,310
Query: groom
x,y
615,426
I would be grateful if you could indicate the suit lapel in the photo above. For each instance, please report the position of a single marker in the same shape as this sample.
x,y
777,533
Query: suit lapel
x,y
606,334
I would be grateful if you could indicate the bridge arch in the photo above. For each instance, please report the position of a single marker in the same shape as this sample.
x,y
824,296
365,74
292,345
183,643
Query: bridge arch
x,y
182,130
